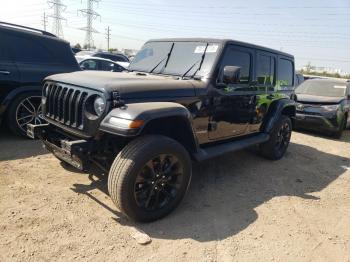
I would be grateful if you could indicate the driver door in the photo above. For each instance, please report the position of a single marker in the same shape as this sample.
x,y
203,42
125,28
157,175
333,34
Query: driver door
x,y
233,104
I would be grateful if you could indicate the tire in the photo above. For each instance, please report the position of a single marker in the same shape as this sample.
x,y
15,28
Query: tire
x,y
19,115
276,146
146,160
337,134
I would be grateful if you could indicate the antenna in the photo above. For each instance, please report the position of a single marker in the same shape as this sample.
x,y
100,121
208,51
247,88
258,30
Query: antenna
x,y
57,7
90,15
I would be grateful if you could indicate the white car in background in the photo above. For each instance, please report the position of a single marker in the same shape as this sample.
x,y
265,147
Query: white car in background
x,y
119,58
101,64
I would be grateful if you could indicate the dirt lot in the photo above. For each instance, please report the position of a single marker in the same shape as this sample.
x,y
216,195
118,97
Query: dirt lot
x,y
240,207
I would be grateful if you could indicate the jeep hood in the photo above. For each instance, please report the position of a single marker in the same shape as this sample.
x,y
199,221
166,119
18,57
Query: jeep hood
x,y
312,99
130,85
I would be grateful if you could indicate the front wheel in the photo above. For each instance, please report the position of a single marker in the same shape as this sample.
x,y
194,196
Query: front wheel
x,y
337,134
25,109
277,145
149,177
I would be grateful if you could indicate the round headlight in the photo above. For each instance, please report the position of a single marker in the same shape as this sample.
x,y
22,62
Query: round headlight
x,y
99,105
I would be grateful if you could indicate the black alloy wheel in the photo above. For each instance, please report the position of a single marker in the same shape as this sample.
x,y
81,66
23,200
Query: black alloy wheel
x,y
278,143
158,183
283,137
149,177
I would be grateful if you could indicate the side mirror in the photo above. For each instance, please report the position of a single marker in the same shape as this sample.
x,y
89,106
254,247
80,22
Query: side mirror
x,y
231,74
82,67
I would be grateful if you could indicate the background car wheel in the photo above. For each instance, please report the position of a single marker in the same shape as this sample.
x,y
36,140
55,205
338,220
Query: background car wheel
x,y
24,109
149,177
342,126
277,145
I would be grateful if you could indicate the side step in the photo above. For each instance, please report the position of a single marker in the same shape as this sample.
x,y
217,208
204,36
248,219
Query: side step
x,y
218,150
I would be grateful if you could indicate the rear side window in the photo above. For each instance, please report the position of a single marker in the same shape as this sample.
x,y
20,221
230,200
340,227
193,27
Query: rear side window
x,y
106,66
29,50
238,58
285,74
265,70
89,65
120,58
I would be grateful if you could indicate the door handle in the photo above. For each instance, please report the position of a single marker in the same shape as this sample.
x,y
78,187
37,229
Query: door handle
x,y
5,72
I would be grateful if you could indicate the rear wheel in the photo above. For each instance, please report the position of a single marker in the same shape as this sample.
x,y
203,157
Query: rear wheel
x,y
24,110
277,145
149,177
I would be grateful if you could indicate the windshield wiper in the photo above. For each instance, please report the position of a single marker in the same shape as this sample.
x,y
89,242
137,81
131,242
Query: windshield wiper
x,y
200,65
161,61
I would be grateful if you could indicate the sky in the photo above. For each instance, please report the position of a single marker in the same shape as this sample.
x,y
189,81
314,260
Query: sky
x,y
315,31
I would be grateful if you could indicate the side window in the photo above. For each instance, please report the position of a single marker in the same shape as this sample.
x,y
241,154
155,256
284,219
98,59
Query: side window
x,y
29,50
89,65
106,66
239,58
265,70
4,53
285,74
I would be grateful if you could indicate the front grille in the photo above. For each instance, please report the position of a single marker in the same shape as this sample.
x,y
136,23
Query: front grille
x,y
65,104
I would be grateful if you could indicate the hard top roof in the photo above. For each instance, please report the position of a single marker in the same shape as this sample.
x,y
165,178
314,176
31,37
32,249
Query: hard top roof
x,y
223,42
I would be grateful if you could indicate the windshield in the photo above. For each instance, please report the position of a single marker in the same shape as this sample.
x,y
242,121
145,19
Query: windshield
x,y
322,88
176,58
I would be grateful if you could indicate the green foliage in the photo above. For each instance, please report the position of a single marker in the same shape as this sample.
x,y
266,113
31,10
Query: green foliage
x,y
78,46
111,50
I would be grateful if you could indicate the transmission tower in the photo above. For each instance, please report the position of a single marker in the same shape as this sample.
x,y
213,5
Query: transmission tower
x,y
57,7
90,15
108,37
44,21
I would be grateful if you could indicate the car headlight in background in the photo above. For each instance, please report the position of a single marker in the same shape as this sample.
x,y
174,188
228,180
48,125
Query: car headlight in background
x,y
330,108
99,105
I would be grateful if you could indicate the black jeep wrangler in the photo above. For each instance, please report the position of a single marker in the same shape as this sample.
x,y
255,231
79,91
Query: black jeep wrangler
x,y
182,100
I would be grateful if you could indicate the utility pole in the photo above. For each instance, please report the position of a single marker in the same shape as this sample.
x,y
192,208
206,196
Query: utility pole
x,y
44,21
90,15
57,7
108,37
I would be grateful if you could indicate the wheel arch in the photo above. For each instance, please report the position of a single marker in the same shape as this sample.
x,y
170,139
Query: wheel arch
x,y
161,118
277,108
6,102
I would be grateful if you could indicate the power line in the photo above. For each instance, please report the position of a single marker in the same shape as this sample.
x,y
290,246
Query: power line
x,y
108,36
90,15
57,7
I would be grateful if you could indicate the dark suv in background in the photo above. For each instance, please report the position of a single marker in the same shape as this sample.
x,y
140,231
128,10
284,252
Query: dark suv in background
x,y
27,56
323,105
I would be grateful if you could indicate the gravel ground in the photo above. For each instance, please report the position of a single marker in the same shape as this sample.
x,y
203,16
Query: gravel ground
x,y
239,207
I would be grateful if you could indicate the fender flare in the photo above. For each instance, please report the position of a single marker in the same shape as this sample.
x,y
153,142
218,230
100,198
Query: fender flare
x,y
15,92
143,112
275,110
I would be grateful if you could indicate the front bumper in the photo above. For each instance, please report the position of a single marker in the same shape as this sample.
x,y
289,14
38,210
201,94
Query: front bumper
x,y
72,151
316,122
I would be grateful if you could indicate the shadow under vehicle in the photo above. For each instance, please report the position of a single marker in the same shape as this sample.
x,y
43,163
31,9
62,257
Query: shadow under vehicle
x,y
182,100
226,192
